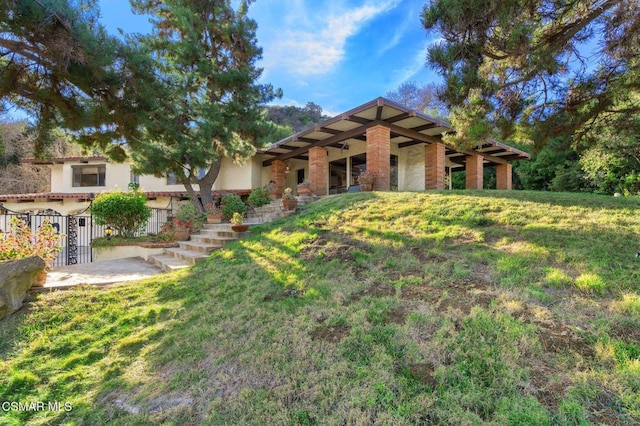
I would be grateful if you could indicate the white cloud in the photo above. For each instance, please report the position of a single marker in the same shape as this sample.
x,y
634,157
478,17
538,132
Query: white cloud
x,y
314,46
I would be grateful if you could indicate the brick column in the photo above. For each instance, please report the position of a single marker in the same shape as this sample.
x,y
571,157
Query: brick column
x,y
379,156
318,170
475,171
278,176
504,176
434,170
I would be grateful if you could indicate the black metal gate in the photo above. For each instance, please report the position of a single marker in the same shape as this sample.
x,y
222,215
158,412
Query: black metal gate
x,y
76,230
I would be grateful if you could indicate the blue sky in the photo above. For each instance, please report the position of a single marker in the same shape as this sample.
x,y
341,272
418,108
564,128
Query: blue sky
x,y
338,54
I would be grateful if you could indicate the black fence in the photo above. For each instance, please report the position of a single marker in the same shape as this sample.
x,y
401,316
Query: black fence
x,y
77,230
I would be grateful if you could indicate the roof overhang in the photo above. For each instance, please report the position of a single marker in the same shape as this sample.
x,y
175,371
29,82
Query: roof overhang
x,y
407,127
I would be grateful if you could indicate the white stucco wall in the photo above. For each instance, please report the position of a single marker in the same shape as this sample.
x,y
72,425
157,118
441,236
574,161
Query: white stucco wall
x,y
411,173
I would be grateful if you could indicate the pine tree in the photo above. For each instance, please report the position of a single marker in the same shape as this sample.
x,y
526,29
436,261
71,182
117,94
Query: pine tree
x,y
59,64
535,69
206,55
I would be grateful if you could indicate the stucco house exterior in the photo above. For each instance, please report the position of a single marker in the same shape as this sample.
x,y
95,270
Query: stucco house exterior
x,y
403,147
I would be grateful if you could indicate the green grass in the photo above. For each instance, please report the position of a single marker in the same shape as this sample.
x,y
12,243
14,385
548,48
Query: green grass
x,y
370,308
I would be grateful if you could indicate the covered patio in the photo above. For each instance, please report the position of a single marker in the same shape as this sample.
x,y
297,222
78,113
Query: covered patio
x,y
402,147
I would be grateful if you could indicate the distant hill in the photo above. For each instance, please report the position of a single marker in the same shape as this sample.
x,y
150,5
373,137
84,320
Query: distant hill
x,y
295,117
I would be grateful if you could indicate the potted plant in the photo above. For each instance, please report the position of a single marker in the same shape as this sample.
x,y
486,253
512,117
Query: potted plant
x,y
288,200
19,243
177,229
365,180
214,214
237,220
304,188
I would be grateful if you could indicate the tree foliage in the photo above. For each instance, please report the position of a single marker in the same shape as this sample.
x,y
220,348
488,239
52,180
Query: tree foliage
x,y
205,54
59,64
535,69
420,98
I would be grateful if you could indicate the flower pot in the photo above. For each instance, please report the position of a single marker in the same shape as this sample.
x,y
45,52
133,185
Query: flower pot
x,y
289,204
214,217
41,278
181,234
239,228
366,187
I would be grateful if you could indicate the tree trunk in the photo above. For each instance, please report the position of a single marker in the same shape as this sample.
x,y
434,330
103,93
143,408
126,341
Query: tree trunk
x,y
207,181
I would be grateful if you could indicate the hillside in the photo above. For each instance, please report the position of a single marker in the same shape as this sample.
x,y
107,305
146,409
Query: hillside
x,y
369,308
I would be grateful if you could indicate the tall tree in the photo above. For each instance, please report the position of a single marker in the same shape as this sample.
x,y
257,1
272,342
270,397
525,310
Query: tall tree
x,y
535,69
58,63
206,53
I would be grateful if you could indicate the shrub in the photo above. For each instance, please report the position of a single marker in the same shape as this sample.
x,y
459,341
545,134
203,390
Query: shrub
x,y
231,204
188,216
127,212
19,242
259,197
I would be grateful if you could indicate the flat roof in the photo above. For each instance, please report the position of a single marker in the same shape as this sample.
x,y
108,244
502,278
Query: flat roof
x,y
408,127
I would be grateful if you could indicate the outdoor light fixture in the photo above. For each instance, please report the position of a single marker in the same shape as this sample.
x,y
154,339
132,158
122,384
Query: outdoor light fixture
x,y
108,231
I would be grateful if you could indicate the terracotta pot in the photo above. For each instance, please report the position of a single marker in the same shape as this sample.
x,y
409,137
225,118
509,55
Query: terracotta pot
x,y
41,278
181,234
289,204
214,217
240,228
366,187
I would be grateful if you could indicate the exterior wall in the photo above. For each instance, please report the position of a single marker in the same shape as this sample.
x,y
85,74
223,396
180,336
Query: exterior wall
x,y
411,172
234,176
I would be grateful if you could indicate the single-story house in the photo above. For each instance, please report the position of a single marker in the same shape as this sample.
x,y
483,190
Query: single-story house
x,y
402,147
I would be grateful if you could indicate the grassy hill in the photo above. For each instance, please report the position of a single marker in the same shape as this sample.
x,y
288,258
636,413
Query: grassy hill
x,y
371,308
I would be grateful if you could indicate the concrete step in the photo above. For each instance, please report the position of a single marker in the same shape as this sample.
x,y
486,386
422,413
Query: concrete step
x,y
198,246
213,239
168,263
192,257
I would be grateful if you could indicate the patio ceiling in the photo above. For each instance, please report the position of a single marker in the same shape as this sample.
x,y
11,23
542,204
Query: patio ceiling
x,y
408,127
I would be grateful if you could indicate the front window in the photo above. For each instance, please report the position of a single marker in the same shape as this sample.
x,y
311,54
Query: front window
x,y
172,178
93,175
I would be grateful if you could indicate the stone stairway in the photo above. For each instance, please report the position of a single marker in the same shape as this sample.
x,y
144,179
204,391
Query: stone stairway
x,y
214,236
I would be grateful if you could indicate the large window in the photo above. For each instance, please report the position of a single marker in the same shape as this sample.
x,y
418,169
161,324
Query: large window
x,y
93,175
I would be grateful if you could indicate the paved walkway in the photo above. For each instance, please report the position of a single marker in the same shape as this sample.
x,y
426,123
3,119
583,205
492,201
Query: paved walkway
x,y
100,273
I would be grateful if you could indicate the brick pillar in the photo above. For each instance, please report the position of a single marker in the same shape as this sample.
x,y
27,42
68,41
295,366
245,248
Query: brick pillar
x,y
503,176
475,171
278,176
434,170
318,170
379,156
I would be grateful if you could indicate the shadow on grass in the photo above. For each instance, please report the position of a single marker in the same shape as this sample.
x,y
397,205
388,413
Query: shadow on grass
x,y
163,349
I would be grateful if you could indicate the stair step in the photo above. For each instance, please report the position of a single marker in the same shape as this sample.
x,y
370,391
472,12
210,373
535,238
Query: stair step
x,y
168,263
197,246
187,255
212,239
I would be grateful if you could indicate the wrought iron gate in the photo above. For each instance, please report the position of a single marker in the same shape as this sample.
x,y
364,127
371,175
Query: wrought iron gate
x,y
77,232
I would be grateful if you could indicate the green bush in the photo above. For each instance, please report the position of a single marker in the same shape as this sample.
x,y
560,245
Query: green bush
x,y
259,197
126,212
231,204
188,214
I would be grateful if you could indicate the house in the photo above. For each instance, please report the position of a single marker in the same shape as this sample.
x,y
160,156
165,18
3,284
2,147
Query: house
x,y
403,147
